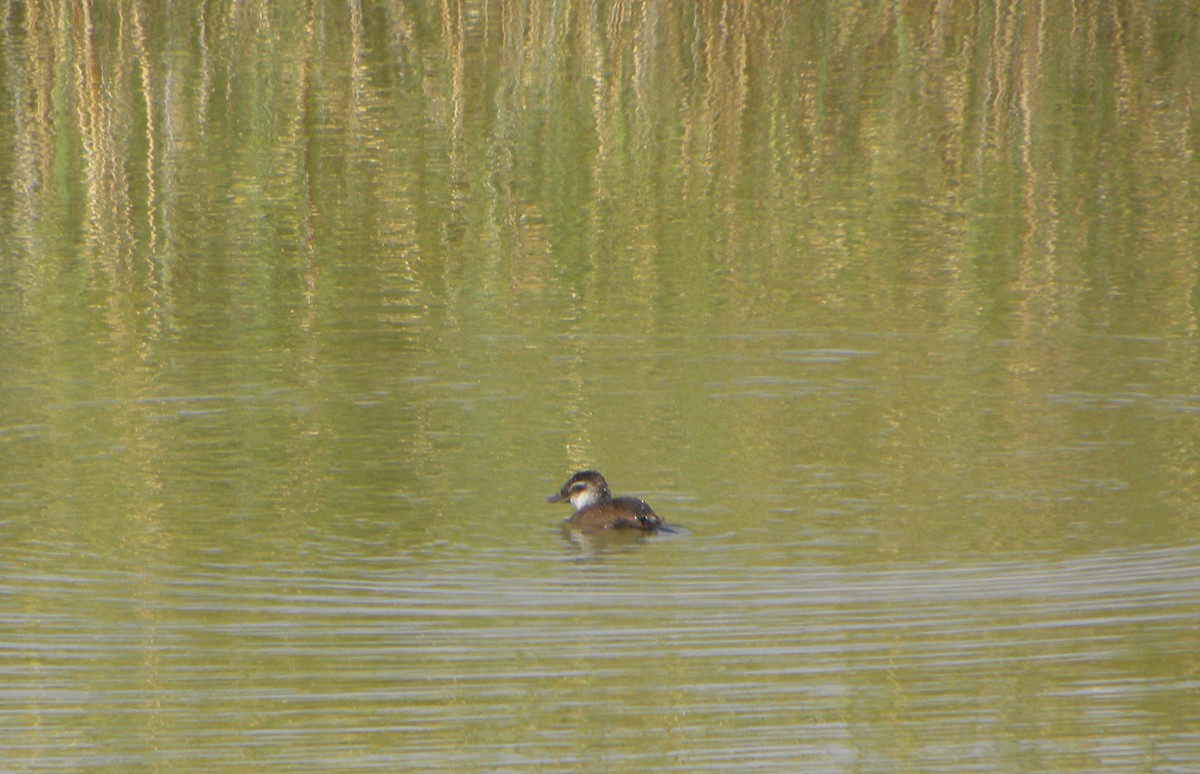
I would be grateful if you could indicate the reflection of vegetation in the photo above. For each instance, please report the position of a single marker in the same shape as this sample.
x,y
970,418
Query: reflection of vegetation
x,y
720,120
287,288
240,175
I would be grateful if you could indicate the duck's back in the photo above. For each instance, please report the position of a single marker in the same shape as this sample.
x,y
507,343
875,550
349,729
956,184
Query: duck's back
x,y
619,513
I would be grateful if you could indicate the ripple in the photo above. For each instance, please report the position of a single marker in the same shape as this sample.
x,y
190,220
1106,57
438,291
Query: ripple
x,y
514,654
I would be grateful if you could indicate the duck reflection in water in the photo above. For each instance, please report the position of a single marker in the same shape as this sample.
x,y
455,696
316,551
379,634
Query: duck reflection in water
x,y
597,509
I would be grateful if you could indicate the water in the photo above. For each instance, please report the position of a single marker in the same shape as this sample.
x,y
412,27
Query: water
x,y
892,311
698,654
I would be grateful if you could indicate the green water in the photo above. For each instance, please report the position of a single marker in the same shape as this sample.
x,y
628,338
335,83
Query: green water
x,y
892,308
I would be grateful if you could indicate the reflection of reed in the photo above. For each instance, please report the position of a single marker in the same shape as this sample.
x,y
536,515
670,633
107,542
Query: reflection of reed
x,y
25,66
740,109
634,166
151,129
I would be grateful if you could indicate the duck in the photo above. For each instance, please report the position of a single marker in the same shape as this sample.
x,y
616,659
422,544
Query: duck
x,y
596,508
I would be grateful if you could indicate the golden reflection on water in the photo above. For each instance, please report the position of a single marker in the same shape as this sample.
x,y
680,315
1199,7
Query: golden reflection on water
x,y
663,121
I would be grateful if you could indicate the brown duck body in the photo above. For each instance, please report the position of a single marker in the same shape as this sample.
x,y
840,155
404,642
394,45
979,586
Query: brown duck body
x,y
596,508
619,513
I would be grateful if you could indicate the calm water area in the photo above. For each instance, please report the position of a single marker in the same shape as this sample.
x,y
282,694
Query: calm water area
x,y
892,308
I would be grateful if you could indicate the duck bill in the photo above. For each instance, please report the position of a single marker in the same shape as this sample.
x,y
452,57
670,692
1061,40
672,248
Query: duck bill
x,y
555,498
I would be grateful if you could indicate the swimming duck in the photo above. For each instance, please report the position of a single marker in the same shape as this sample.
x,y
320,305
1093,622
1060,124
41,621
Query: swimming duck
x,y
596,508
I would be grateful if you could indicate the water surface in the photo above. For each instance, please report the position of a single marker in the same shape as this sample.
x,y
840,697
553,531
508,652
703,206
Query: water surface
x,y
305,310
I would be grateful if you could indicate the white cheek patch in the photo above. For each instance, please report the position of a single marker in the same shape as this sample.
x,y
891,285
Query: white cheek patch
x,y
583,498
